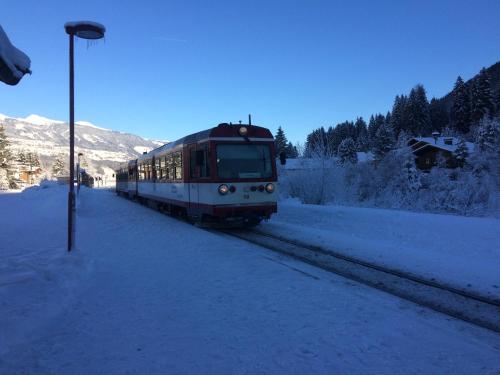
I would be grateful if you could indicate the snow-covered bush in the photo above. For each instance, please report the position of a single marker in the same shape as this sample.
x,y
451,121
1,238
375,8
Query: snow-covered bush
x,y
4,179
347,151
395,182
313,185
402,179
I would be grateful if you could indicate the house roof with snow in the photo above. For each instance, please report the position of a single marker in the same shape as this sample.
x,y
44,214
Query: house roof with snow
x,y
448,144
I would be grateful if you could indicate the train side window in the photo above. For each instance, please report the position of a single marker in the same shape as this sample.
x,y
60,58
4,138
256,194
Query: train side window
x,y
178,165
205,170
199,163
157,169
162,167
170,167
192,163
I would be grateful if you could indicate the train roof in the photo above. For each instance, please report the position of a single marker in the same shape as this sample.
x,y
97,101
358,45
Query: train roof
x,y
223,130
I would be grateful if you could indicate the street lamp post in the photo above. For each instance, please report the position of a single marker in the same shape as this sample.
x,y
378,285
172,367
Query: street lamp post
x,y
84,30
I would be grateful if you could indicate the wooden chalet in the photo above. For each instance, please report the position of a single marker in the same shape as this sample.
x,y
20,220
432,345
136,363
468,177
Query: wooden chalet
x,y
428,149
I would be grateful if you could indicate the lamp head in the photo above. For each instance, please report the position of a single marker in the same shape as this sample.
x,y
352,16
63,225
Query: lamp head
x,y
85,29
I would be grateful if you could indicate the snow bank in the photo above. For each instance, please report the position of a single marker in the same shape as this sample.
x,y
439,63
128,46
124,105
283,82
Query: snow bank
x,y
37,276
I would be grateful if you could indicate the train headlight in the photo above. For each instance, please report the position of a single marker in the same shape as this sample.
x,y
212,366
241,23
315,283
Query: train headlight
x,y
270,188
243,131
223,189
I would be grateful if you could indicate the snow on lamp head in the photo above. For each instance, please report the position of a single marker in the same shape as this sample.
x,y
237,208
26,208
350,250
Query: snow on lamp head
x,y
85,29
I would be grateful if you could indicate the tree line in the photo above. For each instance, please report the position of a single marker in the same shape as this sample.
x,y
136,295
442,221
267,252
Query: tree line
x,y
412,115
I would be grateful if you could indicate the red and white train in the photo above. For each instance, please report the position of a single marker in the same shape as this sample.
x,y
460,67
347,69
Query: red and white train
x,y
226,174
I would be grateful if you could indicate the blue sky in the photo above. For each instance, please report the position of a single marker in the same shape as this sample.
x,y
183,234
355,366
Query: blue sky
x,y
169,68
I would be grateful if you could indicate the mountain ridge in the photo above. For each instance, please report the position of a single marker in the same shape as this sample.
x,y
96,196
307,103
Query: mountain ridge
x,y
103,149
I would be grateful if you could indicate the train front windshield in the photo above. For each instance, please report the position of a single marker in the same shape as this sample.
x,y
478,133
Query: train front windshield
x,y
242,161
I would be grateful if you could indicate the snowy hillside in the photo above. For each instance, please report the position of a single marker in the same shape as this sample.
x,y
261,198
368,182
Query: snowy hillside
x,y
102,148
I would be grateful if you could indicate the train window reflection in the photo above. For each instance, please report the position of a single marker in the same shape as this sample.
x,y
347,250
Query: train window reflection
x,y
244,161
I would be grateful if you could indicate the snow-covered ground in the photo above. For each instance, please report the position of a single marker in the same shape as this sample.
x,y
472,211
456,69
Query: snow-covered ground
x,y
145,293
456,250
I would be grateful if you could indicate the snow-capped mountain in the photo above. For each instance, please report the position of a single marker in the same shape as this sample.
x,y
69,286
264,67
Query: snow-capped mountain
x,y
102,148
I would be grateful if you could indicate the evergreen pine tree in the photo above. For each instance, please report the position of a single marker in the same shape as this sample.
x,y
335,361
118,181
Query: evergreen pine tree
x,y
419,119
402,140
461,111
22,159
30,163
497,103
5,160
280,141
375,123
481,97
5,155
59,167
347,151
439,115
398,121
362,141
384,141
388,118
488,135
340,132
317,144
461,153
291,151
33,160
411,173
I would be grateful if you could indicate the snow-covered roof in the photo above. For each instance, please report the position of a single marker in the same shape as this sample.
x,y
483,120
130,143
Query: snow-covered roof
x,y
14,64
444,143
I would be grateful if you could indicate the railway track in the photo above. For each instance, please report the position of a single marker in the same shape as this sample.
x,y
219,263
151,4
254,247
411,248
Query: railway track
x,y
460,304
457,303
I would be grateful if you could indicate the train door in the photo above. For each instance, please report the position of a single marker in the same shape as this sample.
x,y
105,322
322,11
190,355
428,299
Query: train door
x,y
194,193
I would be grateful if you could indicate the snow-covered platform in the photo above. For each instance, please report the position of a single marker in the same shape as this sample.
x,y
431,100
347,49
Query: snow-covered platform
x,y
145,293
463,252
